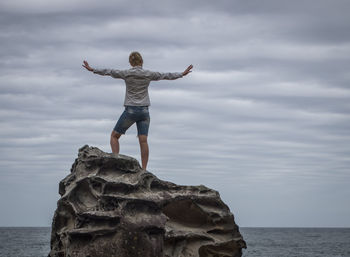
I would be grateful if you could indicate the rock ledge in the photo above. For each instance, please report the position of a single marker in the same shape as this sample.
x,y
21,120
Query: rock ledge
x,y
110,207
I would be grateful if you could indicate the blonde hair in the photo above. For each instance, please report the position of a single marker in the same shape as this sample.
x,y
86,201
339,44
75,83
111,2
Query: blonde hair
x,y
135,59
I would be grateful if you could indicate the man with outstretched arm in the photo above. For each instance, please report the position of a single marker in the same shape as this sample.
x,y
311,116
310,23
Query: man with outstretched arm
x,y
136,101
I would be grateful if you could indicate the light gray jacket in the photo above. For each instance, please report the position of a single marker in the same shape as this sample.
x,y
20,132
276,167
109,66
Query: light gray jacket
x,y
137,81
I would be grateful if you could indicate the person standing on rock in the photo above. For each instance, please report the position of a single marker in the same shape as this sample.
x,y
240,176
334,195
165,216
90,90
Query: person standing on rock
x,y
136,100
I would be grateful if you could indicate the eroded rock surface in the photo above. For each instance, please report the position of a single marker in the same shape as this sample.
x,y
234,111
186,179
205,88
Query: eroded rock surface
x,y
110,207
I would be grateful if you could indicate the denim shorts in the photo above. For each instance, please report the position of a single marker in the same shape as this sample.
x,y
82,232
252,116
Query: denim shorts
x,y
132,114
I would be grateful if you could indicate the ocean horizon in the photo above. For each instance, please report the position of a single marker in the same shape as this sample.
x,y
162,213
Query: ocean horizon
x,y
261,241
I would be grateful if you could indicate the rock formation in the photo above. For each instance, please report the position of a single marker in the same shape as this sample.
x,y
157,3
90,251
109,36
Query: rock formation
x,y
110,207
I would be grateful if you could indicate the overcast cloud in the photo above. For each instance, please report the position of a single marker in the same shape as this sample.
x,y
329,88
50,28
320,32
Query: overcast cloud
x,y
264,118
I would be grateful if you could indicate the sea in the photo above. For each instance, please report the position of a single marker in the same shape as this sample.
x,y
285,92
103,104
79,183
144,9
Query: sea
x,y
261,242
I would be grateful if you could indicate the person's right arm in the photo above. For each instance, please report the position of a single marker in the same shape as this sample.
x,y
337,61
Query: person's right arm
x,y
105,72
170,75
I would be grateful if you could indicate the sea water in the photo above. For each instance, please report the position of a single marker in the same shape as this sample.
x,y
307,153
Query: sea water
x,y
261,242
296,242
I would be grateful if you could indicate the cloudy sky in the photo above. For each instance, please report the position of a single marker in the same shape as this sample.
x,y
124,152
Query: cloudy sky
x,y
264,118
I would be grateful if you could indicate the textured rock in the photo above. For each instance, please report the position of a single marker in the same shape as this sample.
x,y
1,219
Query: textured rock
x,y
110,207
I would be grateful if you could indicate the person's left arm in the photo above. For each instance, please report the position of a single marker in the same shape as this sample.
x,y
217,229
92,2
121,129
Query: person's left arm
x,y
105,72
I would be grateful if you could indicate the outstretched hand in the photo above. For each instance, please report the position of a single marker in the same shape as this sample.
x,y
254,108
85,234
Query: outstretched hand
x,y
87,66
188,70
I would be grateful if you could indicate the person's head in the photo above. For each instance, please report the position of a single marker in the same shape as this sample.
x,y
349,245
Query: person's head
x,y
135,59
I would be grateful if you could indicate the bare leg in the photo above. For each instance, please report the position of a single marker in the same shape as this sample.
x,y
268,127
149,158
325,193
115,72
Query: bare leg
x,y
144,150
115,142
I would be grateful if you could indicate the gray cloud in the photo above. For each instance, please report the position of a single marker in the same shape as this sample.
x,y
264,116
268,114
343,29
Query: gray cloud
x,y
264,117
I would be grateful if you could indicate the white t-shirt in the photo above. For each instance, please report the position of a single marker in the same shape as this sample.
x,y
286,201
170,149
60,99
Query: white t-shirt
x,y
137,81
